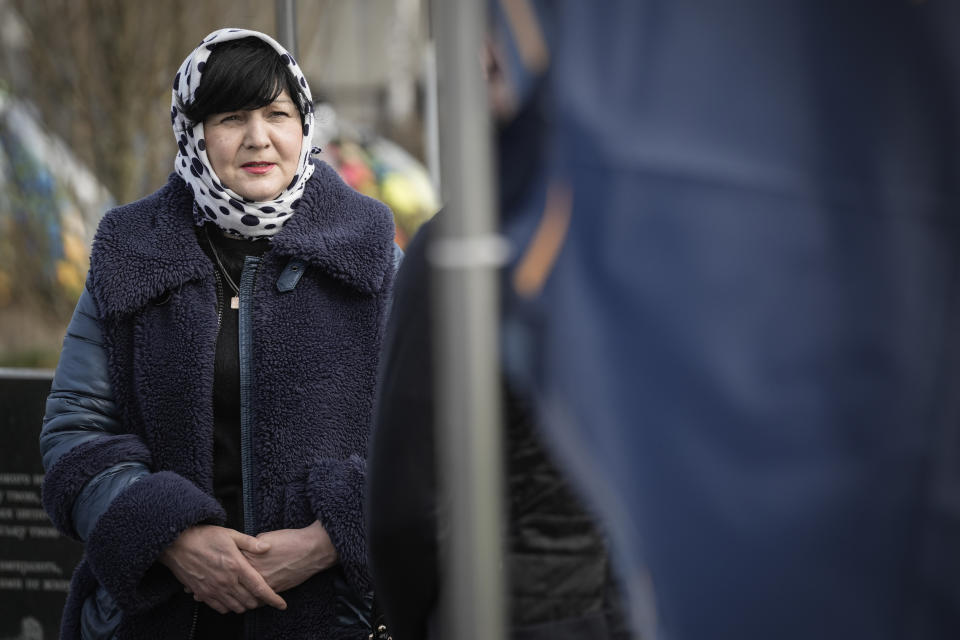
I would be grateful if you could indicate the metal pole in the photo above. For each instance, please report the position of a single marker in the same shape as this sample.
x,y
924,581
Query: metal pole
x,y
464,257
286,17
431,141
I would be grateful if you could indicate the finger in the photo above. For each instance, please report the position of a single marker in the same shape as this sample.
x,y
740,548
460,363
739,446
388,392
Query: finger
x,y
250,579
249,543
232,602
213,603
244,595
260,590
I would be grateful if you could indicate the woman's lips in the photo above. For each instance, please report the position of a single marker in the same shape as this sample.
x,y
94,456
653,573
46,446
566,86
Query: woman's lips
x,y
258,168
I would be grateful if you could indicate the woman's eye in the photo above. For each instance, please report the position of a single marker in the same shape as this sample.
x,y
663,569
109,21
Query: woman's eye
x,y
277,114
230,118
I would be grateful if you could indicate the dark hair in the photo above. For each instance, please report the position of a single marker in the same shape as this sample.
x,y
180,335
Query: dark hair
x,y
246,73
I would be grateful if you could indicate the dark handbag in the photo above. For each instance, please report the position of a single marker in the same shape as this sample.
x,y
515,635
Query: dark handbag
x,y
378,628
358,614
380,633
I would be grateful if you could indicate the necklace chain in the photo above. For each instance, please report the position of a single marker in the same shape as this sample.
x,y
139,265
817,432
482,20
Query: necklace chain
x,y
223,270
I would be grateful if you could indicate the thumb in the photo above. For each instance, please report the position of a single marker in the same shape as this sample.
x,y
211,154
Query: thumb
x,y
249,543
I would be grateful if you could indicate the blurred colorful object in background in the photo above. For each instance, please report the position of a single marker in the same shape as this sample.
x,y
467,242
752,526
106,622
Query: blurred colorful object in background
x,y
376,167
49,208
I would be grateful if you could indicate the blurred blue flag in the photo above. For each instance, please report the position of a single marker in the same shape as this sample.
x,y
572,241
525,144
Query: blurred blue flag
x,y
737,302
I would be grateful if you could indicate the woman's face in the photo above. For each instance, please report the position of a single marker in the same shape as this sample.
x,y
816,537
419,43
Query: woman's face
x,y
256,153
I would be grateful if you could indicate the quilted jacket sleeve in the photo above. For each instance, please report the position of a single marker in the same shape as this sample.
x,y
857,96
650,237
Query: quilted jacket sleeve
x,y
81,417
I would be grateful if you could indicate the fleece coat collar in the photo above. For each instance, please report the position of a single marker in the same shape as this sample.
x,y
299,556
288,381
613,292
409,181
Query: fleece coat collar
x,y
137,259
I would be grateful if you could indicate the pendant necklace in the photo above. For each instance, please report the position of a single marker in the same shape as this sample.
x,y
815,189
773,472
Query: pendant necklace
x,y
235,300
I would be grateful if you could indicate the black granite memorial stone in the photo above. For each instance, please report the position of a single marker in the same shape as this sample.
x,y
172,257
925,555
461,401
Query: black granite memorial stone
x,y
35,560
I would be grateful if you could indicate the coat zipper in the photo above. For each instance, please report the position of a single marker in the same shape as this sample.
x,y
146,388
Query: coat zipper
x,y
193,625
247,281
244,328
219,284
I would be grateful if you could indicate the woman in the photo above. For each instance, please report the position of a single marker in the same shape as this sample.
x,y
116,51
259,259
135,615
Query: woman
x,y
206,430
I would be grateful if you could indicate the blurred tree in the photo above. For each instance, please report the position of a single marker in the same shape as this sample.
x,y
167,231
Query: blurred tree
x,y
99,72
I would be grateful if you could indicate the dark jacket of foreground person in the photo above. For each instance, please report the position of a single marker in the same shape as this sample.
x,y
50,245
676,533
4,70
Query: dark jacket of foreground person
x,y
558,566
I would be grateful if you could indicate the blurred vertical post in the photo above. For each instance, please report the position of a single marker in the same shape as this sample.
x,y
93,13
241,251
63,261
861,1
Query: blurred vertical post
x,y
287,26
464,258
431,142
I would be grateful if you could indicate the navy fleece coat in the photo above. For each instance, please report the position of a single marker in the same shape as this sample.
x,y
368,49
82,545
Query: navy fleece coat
x,y
315,350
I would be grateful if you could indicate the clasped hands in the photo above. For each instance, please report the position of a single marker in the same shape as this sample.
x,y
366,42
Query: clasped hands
x,y
231,571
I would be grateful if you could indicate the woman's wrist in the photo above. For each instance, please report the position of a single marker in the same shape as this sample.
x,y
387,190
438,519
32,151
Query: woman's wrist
x,y
323,555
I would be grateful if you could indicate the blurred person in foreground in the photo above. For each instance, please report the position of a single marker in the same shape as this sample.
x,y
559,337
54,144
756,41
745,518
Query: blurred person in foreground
x,y
559,576
206,430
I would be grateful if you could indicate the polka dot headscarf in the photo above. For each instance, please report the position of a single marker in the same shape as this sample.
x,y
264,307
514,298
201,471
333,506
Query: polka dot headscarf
x,y
213,200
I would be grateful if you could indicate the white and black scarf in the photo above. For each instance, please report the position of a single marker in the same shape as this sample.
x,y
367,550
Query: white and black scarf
x,y
213,200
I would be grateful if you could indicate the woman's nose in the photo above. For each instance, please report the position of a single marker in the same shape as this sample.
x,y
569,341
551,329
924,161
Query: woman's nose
x,y
255,133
